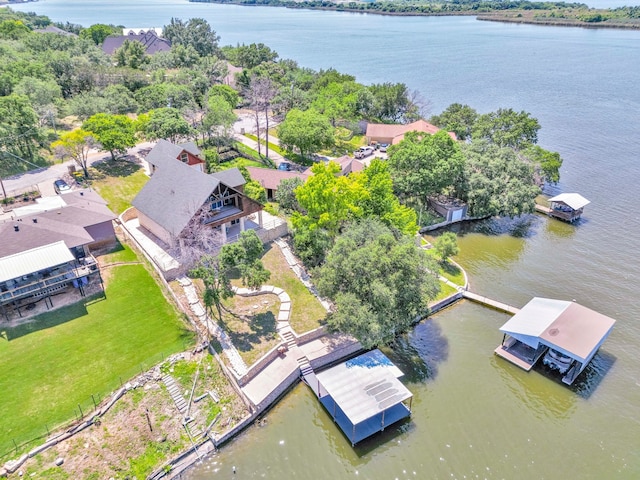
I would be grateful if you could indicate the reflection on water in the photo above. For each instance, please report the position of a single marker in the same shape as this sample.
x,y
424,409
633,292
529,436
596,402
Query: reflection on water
x,y
592,376
419,352
538,393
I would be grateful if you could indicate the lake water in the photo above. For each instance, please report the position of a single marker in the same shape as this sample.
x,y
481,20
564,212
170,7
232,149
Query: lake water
x,y
475,416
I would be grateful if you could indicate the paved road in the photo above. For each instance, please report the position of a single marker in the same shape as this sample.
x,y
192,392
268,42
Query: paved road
x,y
44,177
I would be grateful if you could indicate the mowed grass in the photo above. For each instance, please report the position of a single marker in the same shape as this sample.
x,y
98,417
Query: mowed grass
x,y
307,312
118,183
59,360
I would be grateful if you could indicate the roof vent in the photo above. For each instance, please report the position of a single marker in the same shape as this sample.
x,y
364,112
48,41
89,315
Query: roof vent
x,y
553,332
16,227
82,194
35,220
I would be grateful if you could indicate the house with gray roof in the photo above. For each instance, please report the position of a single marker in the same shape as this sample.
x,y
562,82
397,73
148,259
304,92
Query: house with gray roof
x,y
150,40
46,249
165,151
178,199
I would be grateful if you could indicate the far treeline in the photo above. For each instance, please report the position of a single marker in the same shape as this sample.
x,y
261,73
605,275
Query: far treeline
x,y
61,95
521,11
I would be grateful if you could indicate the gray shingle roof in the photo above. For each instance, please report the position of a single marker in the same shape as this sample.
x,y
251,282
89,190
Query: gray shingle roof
x,y
231,177
174,194
151,42
165,150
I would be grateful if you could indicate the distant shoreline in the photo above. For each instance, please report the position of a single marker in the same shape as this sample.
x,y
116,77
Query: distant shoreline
x,y
504,16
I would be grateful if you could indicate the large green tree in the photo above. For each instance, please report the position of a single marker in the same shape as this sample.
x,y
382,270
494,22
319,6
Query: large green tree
x,y
457,118
131,54
75,145
380,201
380,282
114,133
507,128
98,32
307,131
423,165
195,32
166,123
498,181
20,135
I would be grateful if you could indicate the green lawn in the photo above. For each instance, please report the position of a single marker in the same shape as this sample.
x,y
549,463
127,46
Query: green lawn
x,y
59,360
272,146
307,312
445,291
118,183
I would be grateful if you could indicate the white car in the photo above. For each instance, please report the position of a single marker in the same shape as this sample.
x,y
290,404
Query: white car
x,y
363,152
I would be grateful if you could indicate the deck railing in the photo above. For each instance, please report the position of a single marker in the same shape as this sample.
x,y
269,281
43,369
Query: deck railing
x,y
88,266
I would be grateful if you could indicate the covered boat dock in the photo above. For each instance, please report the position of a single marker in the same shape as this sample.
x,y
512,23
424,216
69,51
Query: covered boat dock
x,y
565,334
363,395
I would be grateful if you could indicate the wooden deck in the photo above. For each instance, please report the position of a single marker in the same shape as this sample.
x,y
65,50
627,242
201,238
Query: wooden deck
x,y
503,307
543,209
502,352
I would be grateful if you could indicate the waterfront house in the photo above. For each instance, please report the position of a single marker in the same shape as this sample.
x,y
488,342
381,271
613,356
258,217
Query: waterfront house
x,y
564,334
46,249
178,197
391,134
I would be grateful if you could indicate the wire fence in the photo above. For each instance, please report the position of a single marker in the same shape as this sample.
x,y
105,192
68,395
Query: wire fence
x,y
84,408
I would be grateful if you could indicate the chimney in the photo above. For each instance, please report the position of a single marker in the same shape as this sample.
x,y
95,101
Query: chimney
x,y
16,227
35,220
82,194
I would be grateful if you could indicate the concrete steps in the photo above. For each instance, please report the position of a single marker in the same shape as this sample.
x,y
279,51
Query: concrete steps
x,y
305,366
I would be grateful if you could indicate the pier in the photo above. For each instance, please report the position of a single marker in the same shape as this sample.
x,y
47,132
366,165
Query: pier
x,y
503,307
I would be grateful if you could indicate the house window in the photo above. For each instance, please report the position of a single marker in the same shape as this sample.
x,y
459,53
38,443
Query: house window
x,y
184,157
217,205
235,222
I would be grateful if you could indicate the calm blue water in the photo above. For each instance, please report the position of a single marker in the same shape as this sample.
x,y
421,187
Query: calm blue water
x,y
475,416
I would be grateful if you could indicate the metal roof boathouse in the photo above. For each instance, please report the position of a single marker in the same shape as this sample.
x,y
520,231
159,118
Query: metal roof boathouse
x,y
363,395
564,334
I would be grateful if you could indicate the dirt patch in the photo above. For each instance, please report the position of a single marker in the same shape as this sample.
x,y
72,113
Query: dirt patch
x,y
144,429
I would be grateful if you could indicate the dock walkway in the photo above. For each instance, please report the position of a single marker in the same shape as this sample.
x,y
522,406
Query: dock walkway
x,y
503,307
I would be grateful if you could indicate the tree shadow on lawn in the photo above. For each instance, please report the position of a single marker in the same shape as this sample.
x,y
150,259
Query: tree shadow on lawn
x,y
256,329
120,167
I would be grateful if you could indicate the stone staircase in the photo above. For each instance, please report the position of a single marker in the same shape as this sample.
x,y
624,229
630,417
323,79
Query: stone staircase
x,y
193,429
176,394
289,338
305,366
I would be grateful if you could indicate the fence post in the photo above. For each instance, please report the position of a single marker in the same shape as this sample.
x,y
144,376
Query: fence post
x,y
15,444
94,401
81,412
48,432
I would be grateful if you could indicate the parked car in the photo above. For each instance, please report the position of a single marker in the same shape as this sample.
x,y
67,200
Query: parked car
x,y
60,186
363,152
286,166
383,147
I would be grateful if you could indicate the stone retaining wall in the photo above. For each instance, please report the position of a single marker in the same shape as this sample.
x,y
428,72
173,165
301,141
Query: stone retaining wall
x,y
311,335
257,366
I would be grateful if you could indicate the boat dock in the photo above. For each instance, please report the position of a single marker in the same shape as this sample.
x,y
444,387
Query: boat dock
x,y
543,209
503,307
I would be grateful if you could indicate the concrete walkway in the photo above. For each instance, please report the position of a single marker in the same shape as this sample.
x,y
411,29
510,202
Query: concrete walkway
x,y
237,363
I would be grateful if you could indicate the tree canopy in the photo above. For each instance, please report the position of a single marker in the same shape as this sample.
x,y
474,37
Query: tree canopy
x,y
423,165
114,133
307,131
379,282
75,145
195,32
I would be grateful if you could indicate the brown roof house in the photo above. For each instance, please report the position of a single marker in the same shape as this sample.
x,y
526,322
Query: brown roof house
x,y
178,196
394,134
46,249
270,178
150,40
165,151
